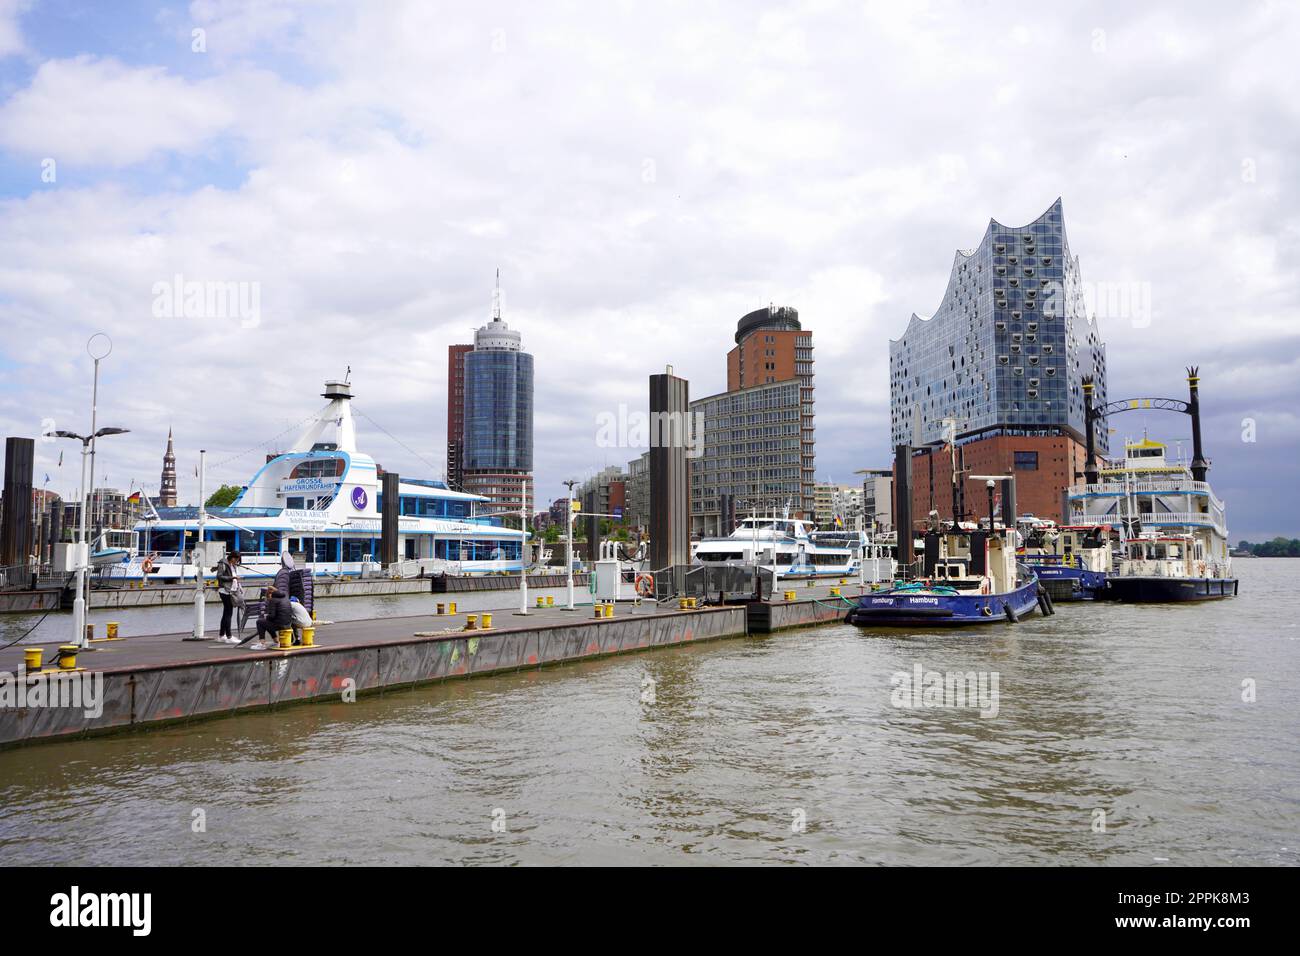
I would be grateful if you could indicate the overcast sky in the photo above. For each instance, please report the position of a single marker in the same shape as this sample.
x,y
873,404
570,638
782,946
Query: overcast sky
x,y
642,174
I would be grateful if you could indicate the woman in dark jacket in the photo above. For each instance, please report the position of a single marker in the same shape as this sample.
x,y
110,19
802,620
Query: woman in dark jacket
x,y
227,589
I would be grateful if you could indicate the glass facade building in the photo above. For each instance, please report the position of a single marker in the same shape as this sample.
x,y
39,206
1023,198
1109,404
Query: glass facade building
x,y
1006,351
498,412
496,450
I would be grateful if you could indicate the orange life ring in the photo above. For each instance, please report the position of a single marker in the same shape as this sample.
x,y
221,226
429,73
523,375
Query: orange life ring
x,y
645,584
146,566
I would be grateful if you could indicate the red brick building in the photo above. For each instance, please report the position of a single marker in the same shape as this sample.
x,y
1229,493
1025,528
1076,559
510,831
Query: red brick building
x,y
456,414
1043,466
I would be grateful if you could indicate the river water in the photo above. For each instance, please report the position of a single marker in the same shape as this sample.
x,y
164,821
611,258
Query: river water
x,y
793,748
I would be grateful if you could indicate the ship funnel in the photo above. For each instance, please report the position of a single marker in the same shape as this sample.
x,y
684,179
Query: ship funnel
x,y
1200,466
1091,471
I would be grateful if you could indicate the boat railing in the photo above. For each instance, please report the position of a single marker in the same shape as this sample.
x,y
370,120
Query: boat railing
x,y
1157,519
1145,486
17,575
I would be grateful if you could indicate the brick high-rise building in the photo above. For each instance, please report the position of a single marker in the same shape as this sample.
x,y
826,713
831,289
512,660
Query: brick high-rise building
x,y
994,378
759,436
456,415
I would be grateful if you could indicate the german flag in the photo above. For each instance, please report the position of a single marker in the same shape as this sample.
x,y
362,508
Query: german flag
x,y
135,498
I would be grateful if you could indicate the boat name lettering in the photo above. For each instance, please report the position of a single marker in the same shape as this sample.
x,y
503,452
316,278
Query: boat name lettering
x,y
308,484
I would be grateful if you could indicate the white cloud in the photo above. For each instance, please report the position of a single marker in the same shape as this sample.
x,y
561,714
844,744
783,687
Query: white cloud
x,y
823,156
11,37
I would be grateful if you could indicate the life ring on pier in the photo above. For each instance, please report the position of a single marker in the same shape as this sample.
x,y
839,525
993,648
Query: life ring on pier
x,y
645,584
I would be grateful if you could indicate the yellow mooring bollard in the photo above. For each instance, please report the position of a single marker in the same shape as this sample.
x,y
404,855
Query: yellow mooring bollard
x,y
471,622
32,658
284,638
451,608
90,632
609,609
541,602
442,609
309,637
600,611
835,592
487,621
789,595
68,657
111,627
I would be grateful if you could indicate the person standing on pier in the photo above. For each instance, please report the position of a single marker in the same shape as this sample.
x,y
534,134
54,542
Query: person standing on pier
x,y
228,588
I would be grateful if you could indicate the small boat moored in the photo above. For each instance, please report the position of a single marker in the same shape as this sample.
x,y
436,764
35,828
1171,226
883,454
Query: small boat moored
x,y
970,577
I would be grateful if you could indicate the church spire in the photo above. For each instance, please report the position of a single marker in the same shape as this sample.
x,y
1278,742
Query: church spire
x,y
167,486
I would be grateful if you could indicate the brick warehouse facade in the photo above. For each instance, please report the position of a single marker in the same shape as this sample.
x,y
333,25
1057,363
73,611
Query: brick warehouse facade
x,y
1043,466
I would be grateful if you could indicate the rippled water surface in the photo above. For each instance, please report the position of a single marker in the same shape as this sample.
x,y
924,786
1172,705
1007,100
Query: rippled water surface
x,y
1136,711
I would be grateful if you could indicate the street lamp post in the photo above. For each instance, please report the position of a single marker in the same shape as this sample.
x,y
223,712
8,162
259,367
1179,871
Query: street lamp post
x,y
523,547
200,554
83,547
568,570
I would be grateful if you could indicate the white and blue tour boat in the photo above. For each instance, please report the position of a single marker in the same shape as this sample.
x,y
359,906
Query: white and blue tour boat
x,y
321,501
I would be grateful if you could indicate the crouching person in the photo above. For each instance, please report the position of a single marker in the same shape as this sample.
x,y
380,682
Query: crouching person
x,y
277,615
301,619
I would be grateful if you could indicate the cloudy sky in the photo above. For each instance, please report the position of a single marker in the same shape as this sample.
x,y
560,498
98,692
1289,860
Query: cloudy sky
x,y
642,174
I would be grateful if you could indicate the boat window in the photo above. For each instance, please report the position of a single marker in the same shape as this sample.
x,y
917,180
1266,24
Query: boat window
x,y
317,468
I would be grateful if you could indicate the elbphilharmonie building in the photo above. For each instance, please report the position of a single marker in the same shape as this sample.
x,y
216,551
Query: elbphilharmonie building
x,y
998,369
1006,349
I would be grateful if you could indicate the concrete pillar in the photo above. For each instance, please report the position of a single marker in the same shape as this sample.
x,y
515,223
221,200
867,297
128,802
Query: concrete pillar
x,y
389,522
903,502
670,503
16,527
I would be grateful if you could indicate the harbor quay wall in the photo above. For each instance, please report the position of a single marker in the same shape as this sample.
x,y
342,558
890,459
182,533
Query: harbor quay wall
x,y
25,602
768,617
142,696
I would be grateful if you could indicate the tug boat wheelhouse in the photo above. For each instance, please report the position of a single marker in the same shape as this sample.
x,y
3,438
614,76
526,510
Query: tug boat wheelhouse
x,y
1071,562
322,500
970,577
792,549
1174,545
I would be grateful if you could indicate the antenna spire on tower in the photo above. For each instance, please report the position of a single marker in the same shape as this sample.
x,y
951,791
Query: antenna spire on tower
x,y
496,299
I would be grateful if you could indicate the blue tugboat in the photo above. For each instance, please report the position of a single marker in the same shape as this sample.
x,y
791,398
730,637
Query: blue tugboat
x,y
970,577
1071,562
